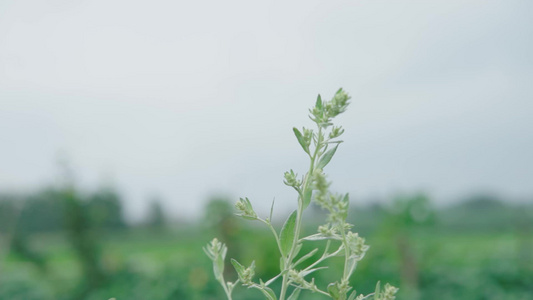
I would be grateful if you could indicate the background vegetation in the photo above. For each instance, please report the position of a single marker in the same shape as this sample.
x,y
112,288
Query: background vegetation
x,y
60,243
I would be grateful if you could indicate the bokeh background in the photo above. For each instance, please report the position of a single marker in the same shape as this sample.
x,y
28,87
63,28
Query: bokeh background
x,y
129,128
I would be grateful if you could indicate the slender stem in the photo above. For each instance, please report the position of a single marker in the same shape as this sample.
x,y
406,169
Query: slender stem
x,y
314,290
226,290
323,258
269,225
272,279
306,185
346,255
322,292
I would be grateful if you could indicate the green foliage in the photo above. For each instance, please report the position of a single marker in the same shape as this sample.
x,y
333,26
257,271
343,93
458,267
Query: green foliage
x,y
104,208
167,265
409,212
44,210
84,240
80,217
481,213
41,212
20,246
320,146
156,215
9,211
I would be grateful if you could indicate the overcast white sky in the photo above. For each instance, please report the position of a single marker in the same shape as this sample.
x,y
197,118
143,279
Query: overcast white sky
x,y
186,99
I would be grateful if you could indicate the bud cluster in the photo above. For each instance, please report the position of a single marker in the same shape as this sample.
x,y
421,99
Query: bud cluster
x,y
307,136
389,293
323,112
338,290
338,104
244,206
291,179
327,230
216,251
336,132
321,185
298,279
356,245
245,274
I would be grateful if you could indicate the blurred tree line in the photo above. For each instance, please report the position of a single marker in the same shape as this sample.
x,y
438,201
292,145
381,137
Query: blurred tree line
x,y
80,217
46,210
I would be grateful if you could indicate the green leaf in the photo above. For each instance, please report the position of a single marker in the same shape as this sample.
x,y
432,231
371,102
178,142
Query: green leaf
x,y
377,292
352,296
218,268
268,292
295,294
238,267
301,139
308,192
246,210
320,237
297,249
271,210
309,271
286,237
218,263
333,290
303,258
346,200
324,160
318,102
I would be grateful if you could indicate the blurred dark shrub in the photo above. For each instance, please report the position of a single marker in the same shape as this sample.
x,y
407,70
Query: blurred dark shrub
x,y
156,218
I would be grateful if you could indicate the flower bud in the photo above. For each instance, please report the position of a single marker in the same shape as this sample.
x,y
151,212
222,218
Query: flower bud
x,y
245,209
389,292
291,179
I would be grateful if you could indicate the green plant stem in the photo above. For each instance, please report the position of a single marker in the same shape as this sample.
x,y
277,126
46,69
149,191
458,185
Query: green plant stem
x,y
346,255
226,290
269,225
323,257
306,185
322,292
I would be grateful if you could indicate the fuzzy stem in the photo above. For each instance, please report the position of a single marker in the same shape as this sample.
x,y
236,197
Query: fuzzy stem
x,y
306,185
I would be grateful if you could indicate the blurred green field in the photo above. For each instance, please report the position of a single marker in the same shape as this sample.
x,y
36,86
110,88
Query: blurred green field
x,y
171,265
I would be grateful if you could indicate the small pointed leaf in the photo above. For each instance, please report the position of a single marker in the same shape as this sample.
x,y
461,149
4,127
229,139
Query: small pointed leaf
x,y
377,292
295,294
333,290
271,210
305,273
318,102
325,159
352,296
307,197
345,199
297,249
320,237
303,258
238,267
301,139
269,293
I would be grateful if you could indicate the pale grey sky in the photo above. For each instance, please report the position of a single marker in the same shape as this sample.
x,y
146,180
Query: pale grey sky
x,y
190,98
